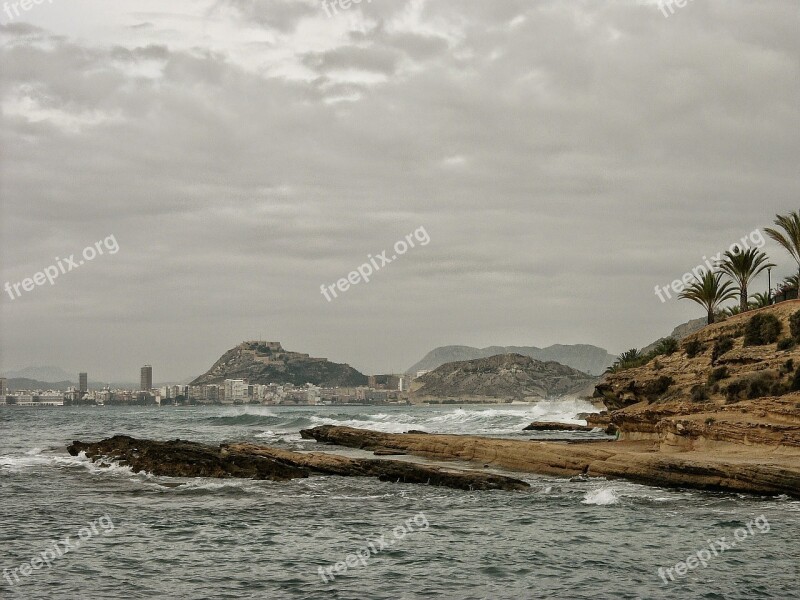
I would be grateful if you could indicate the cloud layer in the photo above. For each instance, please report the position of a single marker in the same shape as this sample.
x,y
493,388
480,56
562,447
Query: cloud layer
x,y
564,156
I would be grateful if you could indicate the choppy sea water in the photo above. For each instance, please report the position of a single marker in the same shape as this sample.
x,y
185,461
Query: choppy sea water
x,y
138,536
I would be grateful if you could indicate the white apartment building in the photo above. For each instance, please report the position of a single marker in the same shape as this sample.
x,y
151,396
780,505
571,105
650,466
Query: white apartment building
x,y
235,391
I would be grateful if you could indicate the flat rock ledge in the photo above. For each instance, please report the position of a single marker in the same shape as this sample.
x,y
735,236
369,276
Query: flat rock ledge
x,y
742,469
181,458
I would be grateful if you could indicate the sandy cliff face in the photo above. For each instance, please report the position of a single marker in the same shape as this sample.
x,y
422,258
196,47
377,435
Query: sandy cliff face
x,y
718,392
713,365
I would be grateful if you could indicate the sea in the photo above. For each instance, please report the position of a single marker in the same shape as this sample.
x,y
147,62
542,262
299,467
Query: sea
x,y
72,529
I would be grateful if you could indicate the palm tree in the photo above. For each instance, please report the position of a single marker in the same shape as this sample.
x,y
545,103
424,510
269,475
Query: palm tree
x,y
625,360
630,356
742,268
731,311
759,300
709,292
789,238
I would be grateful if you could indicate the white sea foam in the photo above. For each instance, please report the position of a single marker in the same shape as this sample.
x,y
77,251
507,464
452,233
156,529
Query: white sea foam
x,y
601,497
274,436
246,485
500,420
35,459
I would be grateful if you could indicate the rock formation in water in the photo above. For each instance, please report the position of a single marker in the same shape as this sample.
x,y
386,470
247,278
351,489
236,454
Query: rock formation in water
x,y
180,458
759,471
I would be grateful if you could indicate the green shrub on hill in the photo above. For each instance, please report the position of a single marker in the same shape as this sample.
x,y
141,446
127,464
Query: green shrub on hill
x,y
693,348
762,329
721,346
794,326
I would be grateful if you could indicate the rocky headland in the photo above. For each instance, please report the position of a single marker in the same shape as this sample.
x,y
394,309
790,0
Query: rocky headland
x,y
721,412
582,357
501,378
267,362
718,411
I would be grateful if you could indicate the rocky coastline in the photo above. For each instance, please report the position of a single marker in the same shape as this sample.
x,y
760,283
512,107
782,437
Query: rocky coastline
x,y
719,413
181,458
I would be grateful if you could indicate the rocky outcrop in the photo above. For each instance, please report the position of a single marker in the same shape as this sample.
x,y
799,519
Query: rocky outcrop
x,y
582,357
640,461
713,365
722,389
180,458
497,378
549,426
267,362
385,470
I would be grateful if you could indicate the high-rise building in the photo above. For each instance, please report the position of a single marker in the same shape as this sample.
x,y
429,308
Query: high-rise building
x,y
83,383
3,388
146,378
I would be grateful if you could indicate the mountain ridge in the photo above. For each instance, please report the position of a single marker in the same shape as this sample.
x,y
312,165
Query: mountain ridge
x,y
582,357
261,362
502,377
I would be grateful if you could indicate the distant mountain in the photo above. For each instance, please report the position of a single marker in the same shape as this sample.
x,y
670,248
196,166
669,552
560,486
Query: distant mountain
x,y
267,362
583,357
501,377
680,332
46,374
22,383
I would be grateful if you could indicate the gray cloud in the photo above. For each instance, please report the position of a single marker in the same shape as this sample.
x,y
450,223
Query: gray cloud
x,y
565,158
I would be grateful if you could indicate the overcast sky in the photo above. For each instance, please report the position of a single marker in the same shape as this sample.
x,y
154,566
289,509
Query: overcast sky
x,y
564,156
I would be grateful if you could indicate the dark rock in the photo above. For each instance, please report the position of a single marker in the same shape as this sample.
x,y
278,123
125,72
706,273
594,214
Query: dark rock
x,y
180,458
185,459
549,426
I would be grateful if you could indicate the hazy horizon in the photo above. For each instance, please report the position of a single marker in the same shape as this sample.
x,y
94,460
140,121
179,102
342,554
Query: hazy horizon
x,y
563,158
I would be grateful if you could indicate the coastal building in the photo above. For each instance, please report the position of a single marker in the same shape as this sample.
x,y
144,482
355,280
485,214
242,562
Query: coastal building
x,y
83,382
49,399
3,387
235,391
146,378
104,397
385,382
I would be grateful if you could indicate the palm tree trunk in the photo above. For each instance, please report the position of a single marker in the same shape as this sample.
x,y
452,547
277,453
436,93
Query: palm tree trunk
x,y
710,316
743,298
